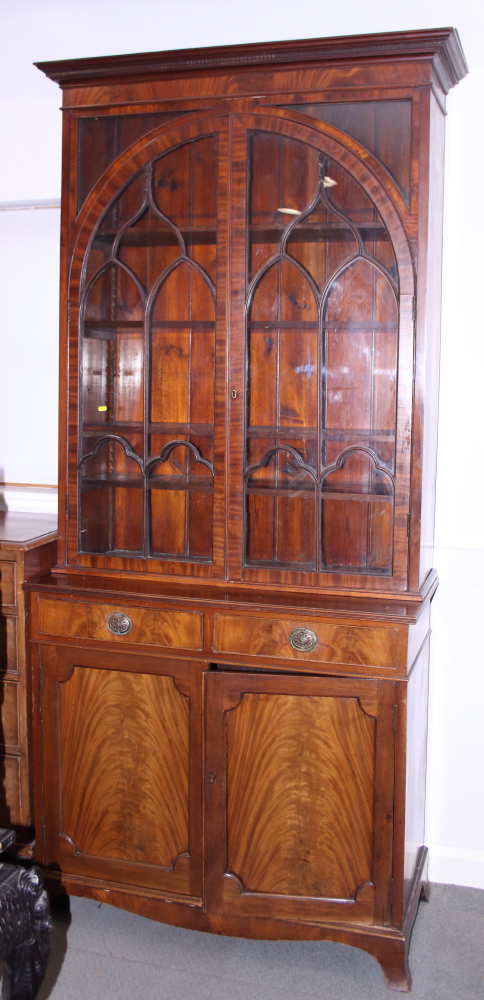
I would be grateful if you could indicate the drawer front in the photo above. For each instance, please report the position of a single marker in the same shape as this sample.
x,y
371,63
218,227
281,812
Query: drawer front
x,y
149,626
8,644
269,637
8,588
10,797
9,735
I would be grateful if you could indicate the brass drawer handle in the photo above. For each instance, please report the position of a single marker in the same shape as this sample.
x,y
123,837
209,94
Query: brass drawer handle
x,y
119,623
303,639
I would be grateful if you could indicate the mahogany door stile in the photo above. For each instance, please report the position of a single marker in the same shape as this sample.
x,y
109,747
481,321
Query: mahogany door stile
x,y
128,802
299,793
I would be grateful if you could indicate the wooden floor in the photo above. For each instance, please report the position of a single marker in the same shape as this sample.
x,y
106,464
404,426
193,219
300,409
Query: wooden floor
x,y
100,953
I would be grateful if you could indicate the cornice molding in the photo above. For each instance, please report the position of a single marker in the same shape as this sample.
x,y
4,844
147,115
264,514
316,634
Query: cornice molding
x,y
440,46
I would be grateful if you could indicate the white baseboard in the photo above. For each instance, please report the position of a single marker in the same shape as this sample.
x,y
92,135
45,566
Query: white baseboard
x,y
456,866
29,499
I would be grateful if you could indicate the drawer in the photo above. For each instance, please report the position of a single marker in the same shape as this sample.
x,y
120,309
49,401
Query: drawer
x,y
8,588
9,735
10,798
149,626
8,644
332,643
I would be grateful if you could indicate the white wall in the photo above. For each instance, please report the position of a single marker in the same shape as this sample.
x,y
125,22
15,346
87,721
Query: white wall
x,y
30,169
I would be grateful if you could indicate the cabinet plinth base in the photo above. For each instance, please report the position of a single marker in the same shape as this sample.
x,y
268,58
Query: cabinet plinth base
x,y
388,946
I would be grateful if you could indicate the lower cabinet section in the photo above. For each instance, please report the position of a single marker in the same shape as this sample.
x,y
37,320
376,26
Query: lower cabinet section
x,y
242,802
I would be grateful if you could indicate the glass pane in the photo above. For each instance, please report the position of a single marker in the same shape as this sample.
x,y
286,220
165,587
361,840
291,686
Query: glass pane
x,y
357,516
384,127
181,501
184,190
112,359
111,491
148,346
283,353
360,347
183,362
147,247
321,355
102,140
281,513
347,197
283,179
322,242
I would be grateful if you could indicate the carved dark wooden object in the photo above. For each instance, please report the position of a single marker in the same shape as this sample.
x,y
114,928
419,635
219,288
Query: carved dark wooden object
x,y
25,927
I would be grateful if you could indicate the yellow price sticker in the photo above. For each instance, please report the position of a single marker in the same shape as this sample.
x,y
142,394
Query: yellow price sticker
x,y
102,409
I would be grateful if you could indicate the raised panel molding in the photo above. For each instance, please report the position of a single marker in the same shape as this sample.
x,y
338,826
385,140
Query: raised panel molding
x,y
305,766
134,766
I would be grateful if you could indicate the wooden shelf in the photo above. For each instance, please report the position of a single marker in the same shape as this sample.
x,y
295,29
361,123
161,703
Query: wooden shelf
x,y
361,497
198,430
276,564
123,553
138,554
113,324
192,484
366,493
271,490
111,479
282,325
179,557
317,232
103,427
375,489
269,433
106,426
151,236
287,433
107,329
361,327
327,434
354,436
296,326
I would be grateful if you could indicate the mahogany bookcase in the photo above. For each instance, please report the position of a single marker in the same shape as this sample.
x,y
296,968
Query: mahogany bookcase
x,y
230,657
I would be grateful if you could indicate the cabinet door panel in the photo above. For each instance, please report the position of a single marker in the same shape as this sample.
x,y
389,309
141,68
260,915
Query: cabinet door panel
x,y
150,289
122,733
297,809
320,484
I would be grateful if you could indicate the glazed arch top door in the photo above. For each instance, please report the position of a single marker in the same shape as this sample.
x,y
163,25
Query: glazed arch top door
x,y
322,304
149,469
